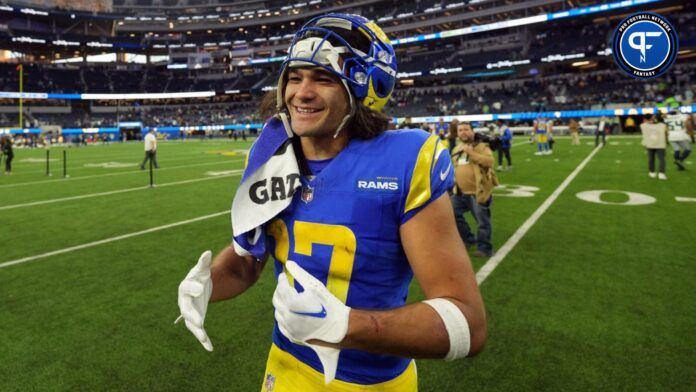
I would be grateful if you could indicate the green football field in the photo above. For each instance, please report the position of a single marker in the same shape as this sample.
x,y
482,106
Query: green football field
x,y
589,291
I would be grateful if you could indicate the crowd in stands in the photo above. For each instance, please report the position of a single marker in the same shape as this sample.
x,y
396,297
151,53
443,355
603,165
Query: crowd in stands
x,y
473,52
549,93
557,92
134,78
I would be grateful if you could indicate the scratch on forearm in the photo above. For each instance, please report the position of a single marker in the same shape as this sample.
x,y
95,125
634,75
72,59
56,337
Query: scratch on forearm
x,y
375,323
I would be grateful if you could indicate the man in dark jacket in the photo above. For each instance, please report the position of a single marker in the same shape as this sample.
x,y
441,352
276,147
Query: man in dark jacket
x,y
6,148
505,136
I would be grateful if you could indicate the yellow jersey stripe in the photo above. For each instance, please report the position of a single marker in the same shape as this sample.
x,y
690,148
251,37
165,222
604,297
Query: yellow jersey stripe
x,y
439,149
419,190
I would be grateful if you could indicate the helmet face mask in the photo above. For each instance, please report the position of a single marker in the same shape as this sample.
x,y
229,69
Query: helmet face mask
x,y
350,47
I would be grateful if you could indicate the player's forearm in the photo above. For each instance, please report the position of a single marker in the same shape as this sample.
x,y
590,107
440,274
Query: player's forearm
x,y
415,331
233,274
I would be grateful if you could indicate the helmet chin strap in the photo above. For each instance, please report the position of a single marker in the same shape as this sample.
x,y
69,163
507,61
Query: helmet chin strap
x,y
347,116
286,123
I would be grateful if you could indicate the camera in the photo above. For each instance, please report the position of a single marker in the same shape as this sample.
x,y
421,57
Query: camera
x,y
493,142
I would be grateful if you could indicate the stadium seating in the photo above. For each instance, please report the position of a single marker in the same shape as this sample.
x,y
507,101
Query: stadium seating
x,y
475,88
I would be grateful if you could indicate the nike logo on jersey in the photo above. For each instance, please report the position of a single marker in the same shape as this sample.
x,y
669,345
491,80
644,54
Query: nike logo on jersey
x,y
443,174
319,314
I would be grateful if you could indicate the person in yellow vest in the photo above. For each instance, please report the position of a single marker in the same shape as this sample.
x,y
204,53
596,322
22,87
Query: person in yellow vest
x,y
630,125
474,182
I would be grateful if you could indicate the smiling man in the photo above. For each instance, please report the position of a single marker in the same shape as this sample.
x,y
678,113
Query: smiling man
x,y
373,212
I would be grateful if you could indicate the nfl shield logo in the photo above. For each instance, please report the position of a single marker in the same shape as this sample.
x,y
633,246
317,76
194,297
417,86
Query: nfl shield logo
x,y
270,382
307,194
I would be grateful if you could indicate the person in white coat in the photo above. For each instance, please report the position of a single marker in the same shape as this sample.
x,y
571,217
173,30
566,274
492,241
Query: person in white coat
x,y
150,150
655,141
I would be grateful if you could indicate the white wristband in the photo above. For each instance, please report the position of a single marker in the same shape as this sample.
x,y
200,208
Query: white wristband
x,y
456,325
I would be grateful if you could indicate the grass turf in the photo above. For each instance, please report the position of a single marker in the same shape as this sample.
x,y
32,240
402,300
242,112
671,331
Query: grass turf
x,y
594,297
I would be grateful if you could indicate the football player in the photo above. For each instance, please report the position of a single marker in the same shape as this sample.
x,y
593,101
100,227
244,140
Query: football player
x,y
373,212
680,135
542,136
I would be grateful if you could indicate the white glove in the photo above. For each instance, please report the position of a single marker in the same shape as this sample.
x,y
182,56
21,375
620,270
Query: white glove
x,y
314,313
194,294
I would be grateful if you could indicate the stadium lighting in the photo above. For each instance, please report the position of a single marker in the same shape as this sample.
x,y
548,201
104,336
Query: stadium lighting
x,y
95,44
65,43
507,63
28,40
31,11
561,57
400,75
580,63
497,25
519,22
442,71
192,94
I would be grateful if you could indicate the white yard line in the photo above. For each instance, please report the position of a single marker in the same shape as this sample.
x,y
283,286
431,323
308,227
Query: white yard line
x,y
518,143
115,174
139,188
481,275
112,239
494,261
74,166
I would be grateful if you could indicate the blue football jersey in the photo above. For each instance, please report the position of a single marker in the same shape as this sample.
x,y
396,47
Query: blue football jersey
x,y
343,228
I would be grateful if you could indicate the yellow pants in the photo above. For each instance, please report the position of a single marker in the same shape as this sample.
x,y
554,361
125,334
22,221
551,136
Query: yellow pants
x,y
284,373
542,138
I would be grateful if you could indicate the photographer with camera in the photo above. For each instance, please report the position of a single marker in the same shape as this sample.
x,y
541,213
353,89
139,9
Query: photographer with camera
x,y
474,183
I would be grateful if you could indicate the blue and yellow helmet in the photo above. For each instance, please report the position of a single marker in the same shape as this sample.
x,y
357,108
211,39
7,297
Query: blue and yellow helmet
x,y
352,48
